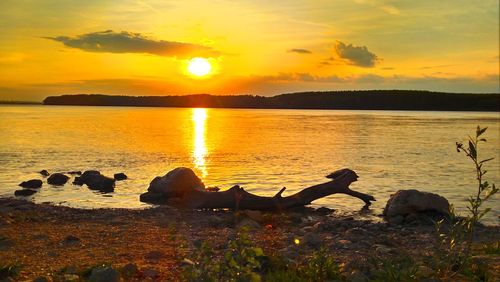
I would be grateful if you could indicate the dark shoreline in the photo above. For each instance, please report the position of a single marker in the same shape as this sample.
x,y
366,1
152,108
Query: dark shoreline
x,y
400,100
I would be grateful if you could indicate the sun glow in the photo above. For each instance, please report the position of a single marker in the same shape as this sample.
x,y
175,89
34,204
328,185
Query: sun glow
x,y
199,67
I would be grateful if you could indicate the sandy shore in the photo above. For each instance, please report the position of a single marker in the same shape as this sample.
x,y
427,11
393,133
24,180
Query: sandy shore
x,y
43,239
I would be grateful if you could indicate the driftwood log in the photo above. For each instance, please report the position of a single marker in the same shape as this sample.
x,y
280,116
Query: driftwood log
x,y
181,187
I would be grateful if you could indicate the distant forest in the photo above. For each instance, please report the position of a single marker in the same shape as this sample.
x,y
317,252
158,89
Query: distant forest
x,y
353,100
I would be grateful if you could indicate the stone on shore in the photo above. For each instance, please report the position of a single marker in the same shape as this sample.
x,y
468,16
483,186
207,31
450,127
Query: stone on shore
x,y
44,172
120,176
24,192
248,224
104,274
33,184
175,183
410,202
57,179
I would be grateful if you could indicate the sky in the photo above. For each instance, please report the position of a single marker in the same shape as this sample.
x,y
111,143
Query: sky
x,y
143,47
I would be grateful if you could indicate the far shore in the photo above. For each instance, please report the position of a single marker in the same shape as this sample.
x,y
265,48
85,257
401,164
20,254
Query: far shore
x,y
405,100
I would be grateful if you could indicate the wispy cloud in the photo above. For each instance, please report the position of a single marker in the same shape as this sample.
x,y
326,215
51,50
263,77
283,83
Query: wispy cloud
x,y
128,42
356,55
299,51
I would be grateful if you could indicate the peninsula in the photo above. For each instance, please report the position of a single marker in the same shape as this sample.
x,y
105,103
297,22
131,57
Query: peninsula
x,y
344,100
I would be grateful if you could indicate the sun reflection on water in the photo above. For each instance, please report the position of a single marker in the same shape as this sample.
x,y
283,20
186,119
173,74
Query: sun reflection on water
x,y
199,117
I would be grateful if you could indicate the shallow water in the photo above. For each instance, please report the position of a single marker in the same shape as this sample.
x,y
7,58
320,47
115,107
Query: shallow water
x,y
261,150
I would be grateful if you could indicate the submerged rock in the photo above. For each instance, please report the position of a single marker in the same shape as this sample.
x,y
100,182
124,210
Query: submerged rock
x,y
24,192
173,184
57,179
120,176
33,183
413,202
44,172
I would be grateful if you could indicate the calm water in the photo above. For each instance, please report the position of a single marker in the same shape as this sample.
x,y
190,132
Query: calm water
x,y
261,150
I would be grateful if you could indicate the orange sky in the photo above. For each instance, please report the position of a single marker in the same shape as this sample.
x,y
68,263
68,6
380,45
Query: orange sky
x,y
136,47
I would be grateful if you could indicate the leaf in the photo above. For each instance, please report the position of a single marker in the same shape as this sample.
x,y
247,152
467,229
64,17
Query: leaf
x,y
480,131
472,150
258,252
484,212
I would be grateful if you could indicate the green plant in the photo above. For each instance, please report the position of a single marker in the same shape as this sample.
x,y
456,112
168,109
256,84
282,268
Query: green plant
x,y
321,267
203,268
456,237
241,262
492,249
484,190
395,269
9,270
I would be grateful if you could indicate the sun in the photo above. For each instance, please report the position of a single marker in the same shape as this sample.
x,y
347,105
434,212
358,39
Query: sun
x,y
199,66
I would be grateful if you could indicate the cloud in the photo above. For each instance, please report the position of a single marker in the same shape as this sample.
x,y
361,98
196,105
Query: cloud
x,y
299,51
356,55
127,42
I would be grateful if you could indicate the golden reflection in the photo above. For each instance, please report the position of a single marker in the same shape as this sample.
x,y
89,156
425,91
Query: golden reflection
x,y
199,117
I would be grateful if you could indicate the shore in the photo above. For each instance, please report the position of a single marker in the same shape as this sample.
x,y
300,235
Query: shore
x,y
45,240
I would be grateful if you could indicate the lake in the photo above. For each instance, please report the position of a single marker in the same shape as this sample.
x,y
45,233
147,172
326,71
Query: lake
x,y
261,150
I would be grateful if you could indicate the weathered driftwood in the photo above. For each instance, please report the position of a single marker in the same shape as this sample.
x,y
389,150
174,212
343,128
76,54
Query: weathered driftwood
x,y
237,198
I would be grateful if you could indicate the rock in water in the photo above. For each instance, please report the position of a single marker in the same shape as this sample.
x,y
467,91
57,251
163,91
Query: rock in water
x,y
153,198
44,172
57,179
96,181
78,181
33,183
405,202
120,176
173,184
24,192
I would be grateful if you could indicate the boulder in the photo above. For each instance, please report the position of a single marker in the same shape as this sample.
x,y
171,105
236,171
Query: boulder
x,y
57,179
96,181
173,184
33,183
405,202
24,192
120,176
44,172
